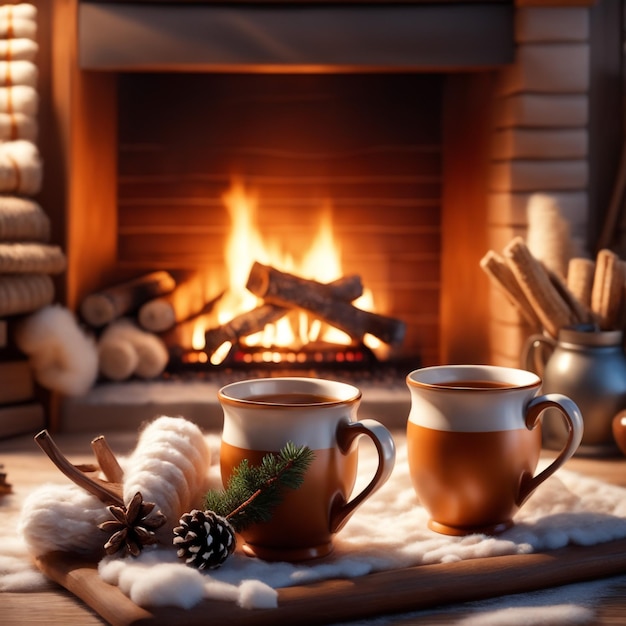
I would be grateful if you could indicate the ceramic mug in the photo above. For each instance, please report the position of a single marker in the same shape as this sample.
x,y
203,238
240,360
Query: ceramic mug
x,y
473,443
261,416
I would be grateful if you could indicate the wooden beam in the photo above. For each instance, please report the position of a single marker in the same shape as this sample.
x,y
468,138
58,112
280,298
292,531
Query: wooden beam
x,y
314,37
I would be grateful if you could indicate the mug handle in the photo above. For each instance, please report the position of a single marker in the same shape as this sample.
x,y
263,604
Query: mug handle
x,y
347,432
572,419
534,355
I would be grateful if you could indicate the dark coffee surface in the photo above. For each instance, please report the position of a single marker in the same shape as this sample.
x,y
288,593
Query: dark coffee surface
x,y
475,384
290,398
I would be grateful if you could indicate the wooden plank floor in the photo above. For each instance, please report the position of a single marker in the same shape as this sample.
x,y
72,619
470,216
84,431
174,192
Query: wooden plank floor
x,y
26,467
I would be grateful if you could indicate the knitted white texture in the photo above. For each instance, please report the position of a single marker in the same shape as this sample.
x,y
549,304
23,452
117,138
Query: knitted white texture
x,y
175,486
62,517
169,466
19,99
20,167
18,72
22,49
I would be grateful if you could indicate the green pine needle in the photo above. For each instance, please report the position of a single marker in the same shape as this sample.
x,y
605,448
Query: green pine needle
x,y
254,491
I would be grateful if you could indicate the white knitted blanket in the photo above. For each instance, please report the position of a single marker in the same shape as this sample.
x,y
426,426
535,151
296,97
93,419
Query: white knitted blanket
x,y
389,531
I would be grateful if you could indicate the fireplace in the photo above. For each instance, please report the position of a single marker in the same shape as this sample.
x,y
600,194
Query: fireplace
x,y
358,154
387,121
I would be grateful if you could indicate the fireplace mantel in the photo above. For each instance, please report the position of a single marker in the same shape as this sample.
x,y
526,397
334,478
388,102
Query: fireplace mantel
x,y
295,36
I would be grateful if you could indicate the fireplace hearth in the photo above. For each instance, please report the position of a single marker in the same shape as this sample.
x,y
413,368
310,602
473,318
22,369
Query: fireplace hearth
x,y
411,122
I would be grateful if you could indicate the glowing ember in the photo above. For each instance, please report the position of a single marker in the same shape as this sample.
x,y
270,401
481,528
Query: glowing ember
x,y
245,245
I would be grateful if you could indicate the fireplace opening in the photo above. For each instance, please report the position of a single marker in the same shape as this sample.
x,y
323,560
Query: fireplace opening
x,y
321,177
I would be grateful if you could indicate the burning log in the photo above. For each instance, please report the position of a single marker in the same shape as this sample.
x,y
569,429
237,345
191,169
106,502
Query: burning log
x,y
286,290
269,283
102,307
346,288
243,325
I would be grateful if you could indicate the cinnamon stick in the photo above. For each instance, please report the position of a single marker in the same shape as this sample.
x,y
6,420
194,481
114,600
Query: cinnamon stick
x,y
106,460
606,293
580,273
581,313
108,493
502,276
534,280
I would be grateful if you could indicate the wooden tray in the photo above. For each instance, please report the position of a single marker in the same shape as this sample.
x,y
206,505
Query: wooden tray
x,y
395,591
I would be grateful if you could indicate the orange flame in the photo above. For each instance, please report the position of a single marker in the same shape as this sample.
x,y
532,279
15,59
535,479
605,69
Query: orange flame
x,y
245,246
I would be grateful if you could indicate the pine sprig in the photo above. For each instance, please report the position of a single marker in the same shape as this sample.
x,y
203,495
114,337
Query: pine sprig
x,y
253,491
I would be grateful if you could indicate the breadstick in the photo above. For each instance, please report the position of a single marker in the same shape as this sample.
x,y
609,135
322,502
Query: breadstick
x,y
606,293
548,304
580,273
581,313
501,275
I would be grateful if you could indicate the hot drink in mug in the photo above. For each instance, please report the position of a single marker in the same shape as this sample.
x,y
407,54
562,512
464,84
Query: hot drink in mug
x,y
473,443
261,416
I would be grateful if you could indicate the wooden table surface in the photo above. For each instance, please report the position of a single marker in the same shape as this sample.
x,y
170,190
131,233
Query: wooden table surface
x,y
27,467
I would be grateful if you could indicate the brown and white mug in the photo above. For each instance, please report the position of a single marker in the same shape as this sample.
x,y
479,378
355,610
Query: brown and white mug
x,y
261,416
474,440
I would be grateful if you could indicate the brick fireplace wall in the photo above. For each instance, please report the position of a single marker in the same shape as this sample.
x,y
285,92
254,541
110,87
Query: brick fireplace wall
x,y
542,141
546,137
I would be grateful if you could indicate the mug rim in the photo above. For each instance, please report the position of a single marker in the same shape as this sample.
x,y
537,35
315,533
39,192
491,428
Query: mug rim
x,y
304,384
432,377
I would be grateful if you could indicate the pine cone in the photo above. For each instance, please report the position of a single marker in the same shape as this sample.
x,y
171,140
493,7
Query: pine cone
x,y
204,539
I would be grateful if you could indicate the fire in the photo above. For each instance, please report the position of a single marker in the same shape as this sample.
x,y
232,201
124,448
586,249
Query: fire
x,y
245,245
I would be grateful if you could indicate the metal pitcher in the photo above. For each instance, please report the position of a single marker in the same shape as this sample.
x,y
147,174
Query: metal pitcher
x,y
589,366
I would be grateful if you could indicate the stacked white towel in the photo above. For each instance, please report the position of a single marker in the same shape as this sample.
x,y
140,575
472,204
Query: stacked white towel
x,y
18,82
28,259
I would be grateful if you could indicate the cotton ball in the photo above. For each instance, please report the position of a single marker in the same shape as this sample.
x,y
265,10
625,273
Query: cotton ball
x,y
110,569
254,594
168,585
26,580
129,575
62,356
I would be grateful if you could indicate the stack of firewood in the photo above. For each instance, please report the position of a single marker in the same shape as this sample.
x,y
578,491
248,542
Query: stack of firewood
x,y
593,292
282,292
153,310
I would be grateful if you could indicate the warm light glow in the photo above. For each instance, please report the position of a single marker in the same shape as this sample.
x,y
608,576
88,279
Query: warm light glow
x,y
245,245
217,358
197,338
